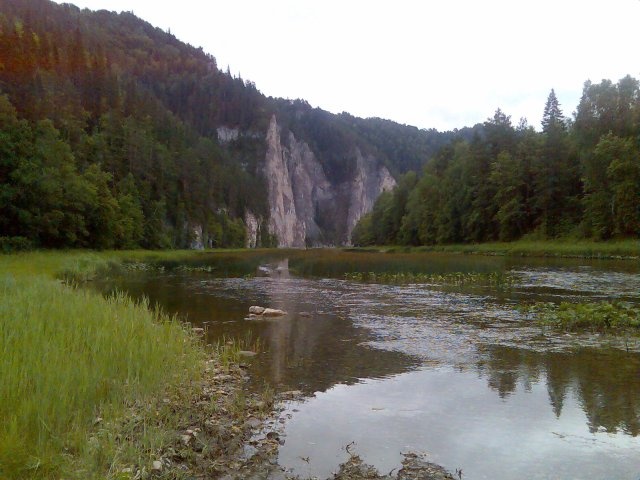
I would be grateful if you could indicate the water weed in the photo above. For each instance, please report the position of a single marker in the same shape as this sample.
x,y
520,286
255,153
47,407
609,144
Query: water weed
x,y
457,279
601,317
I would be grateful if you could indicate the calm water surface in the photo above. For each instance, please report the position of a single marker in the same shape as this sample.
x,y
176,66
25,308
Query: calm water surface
x,y
459,373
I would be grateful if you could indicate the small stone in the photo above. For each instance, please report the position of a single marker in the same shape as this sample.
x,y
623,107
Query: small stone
x,y
197,330
247,353
253,423
186,439
273,312
156,466
256,310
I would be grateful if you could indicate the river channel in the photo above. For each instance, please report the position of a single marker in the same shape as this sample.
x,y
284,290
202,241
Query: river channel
x,y
460,373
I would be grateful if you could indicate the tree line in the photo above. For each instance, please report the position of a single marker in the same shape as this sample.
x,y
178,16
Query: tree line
x,y
108,135
577,177
110,129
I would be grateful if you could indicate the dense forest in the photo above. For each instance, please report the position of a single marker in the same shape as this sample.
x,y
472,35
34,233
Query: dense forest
x,y
109,135
576,178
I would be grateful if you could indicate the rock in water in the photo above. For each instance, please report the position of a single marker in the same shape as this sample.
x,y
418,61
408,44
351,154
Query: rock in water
x,y
256,310
273,312
247,353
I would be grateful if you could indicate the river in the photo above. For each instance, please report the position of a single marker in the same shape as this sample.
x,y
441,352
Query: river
x,y
460,373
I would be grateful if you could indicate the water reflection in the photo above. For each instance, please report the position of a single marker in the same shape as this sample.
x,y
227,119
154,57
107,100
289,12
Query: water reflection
x,y
460,373
453,416
605,383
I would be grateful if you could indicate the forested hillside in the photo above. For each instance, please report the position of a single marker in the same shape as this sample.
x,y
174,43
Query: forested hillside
x,y
578,177
109,135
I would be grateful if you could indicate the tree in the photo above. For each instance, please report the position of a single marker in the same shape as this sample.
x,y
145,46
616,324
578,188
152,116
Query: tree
x,y
507,179
557,175
623,174
552,117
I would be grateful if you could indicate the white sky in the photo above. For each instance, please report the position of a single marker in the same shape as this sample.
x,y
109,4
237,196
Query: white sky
x,y
434,64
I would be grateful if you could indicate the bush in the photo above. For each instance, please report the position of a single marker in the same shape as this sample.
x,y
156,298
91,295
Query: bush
x,y
15,244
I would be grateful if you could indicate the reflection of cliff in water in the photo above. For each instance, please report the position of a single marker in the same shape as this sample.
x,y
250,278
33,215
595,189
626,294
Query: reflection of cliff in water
x,y
606,383
315,346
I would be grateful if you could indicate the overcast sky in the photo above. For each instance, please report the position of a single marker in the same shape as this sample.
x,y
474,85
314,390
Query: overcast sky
x,y
433,64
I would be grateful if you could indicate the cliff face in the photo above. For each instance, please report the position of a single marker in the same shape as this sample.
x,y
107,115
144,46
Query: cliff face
x,y
306,209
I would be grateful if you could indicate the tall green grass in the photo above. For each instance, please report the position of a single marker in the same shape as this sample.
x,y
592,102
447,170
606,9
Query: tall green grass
x,y
72,361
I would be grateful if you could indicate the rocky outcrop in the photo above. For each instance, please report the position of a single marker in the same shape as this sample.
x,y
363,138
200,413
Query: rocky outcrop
x,y
197,238
284,221
226,134
252,225
306,209
370,181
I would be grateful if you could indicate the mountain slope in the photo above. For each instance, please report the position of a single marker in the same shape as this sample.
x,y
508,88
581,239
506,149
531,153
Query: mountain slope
x,y
154,146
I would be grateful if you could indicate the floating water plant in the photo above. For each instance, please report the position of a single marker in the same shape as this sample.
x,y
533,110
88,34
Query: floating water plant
x,y
458,279
595,316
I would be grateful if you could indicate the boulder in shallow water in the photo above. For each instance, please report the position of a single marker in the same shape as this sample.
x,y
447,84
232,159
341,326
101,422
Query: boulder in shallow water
x,y
256,310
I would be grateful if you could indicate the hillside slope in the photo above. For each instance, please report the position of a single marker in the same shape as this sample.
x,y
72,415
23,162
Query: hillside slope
x,y
116,134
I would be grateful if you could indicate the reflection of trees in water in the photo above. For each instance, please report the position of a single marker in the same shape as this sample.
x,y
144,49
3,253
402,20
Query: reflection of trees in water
x,y
606,384
315,352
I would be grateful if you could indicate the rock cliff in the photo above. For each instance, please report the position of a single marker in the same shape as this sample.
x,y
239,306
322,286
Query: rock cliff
x,y
306,209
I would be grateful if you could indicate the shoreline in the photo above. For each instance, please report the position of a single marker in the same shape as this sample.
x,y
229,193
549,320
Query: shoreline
x,y
612,250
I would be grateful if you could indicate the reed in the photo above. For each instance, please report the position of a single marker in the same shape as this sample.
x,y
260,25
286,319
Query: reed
x,y
72,362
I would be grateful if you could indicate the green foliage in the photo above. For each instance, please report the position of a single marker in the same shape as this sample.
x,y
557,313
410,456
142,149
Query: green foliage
x,y
106,128
68,357
597,317
14,244
570,180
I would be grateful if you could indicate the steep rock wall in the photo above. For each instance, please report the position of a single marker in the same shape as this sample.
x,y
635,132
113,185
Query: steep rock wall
x,y
284,221
306,209
369,182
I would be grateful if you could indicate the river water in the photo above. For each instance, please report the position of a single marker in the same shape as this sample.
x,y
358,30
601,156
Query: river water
x,y
459,373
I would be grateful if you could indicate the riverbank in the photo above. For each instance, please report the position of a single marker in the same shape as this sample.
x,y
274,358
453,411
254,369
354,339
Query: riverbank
x,y
96,387
620,249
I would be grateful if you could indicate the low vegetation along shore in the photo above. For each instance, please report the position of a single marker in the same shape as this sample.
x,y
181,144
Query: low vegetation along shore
x,y
624,249
96,387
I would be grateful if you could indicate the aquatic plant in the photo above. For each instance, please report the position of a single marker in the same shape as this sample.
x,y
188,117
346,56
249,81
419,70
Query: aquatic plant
x,y
594,316
458,279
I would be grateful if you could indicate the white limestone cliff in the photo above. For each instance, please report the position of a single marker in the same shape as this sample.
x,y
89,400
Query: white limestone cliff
x,y
301,196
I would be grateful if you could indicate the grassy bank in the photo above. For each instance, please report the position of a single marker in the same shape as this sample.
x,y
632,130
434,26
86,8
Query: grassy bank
x,y
527,248
73,364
